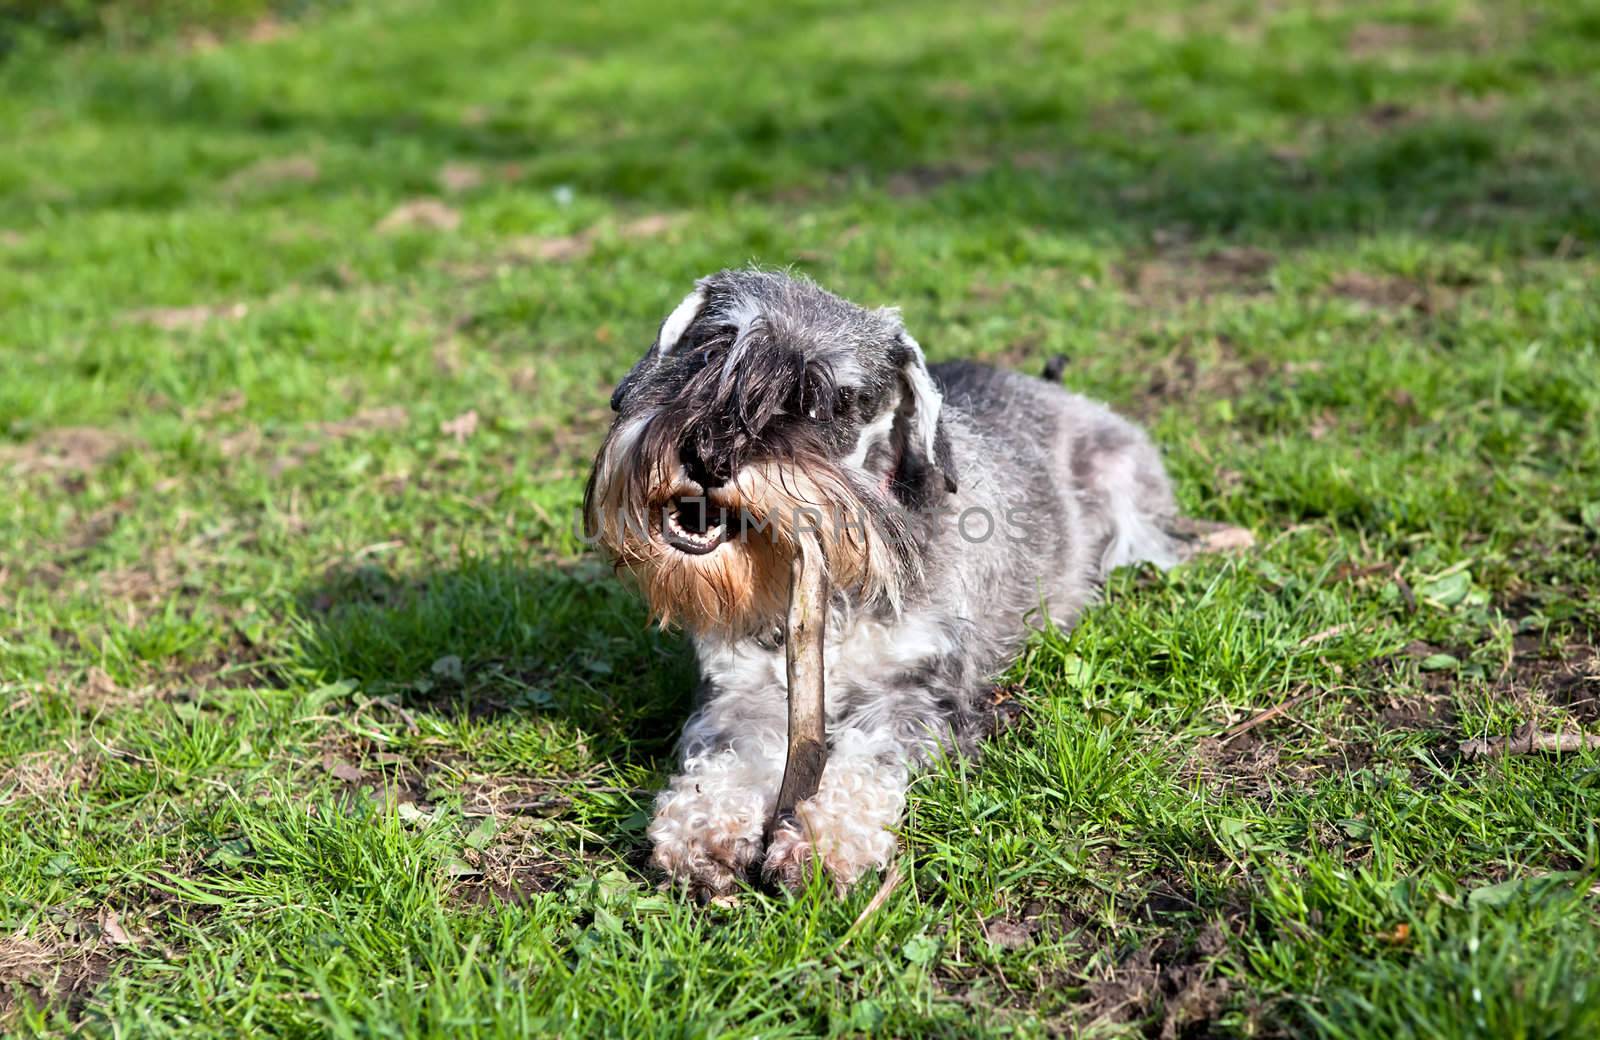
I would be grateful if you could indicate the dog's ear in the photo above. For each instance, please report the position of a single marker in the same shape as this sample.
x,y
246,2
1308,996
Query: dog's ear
x,y
673,326
620,394
926,470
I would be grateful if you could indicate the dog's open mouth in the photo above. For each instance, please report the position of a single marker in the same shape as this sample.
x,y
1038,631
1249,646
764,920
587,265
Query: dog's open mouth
x,y
695,526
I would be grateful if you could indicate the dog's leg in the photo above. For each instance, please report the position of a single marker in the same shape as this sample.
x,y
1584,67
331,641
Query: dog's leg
x,y
708,823
847,826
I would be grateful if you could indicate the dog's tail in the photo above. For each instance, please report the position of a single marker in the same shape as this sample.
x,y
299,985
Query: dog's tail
x,y
1054,369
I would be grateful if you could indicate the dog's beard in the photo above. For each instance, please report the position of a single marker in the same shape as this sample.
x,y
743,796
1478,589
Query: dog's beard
x,y
741,585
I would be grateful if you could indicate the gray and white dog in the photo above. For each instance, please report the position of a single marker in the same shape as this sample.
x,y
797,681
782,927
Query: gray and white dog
x,y
952,502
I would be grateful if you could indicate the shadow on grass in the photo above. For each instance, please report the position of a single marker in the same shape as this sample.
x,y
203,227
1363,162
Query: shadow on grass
x,y
495,639
1156,144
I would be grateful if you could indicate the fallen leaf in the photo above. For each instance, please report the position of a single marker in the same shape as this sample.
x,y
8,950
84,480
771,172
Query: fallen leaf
x,y
420,214
411,812
482,834
1322,636
1535,889
350,774
1447,591
1006,934
461,427
457,177
111,927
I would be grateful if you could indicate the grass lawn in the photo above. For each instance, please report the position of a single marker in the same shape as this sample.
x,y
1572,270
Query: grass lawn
x,y
316,719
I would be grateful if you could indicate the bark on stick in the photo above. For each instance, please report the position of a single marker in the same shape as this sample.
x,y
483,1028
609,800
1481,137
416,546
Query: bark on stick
x,y
803,643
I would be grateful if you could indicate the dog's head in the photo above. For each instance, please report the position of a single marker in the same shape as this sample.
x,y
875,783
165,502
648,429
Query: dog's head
x,y
768,410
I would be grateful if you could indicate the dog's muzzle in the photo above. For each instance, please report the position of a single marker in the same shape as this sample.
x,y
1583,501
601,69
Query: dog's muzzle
x,y
693,524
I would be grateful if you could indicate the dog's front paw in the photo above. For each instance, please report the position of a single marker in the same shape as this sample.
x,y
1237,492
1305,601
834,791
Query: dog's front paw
x,y
706,839
845,846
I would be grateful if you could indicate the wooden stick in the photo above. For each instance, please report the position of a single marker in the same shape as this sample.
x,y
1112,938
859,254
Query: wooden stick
x,y
803,644
1266,716
1529,740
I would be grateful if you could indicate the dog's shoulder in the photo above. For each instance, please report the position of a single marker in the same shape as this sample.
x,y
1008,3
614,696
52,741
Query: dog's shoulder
x,y
978,389
962,379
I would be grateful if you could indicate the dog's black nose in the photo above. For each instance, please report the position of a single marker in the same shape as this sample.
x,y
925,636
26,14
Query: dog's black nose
x,y
706,475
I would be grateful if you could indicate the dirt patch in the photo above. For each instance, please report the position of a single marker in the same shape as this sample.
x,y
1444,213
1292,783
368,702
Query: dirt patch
x,y
48,775
49,969
1246,765
509,864
920,180
366,770
564,248
171,319
149,581
1565,682
234,661
285,450
1170,988
1391,292
1154,972
1388,115
1192,373
550,248
501,855
1374,39
1179,275
420,215
1242,262
293,169
98,691
368,420
1546,684
67,450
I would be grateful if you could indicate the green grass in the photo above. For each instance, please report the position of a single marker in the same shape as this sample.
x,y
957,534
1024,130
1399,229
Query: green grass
x,y
316,720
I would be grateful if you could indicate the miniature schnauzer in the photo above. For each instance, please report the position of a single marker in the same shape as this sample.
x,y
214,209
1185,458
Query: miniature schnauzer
x,y
954,503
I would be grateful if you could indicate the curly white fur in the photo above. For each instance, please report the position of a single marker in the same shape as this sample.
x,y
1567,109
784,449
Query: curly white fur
x,y
848,825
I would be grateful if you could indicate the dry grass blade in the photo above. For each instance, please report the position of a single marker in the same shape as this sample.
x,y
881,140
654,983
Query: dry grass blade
x,y
1263,717
891,881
